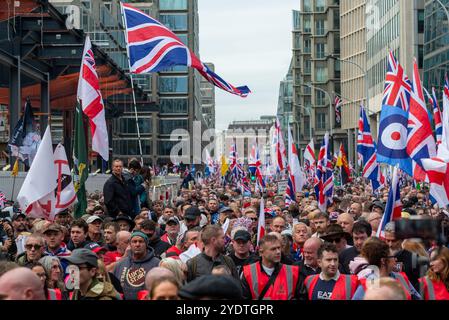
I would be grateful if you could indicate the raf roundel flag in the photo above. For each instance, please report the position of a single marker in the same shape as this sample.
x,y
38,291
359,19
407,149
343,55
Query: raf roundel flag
x,y
392,141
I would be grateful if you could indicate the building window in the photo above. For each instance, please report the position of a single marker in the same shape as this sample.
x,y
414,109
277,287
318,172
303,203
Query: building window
x,y
307,66
165,147
420,56
168,126
420,21
296,20
173,105
336,20
131,147
319,27
321,121
321,74
175,22
319,5
173,84
172,4
307,5
128,125
307,24
307,46
320,98
320,50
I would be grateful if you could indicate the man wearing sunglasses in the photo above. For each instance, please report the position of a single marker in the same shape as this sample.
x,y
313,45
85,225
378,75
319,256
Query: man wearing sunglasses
x,y
34,250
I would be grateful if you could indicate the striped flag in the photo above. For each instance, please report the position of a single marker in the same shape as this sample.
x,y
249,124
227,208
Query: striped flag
x,y
92,103
296,177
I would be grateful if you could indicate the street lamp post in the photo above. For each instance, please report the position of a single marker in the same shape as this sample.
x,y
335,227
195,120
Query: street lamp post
x,y
365,75
330,105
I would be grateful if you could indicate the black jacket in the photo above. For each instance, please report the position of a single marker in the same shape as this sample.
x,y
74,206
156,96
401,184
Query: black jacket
x,y
239,263
408,263
159,246
346,256
117,197
71,246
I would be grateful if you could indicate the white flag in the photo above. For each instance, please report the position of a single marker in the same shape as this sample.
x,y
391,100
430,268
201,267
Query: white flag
x,y
37,195
65,192
92,103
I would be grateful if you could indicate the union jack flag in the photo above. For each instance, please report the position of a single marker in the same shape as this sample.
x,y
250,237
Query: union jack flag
x,y
337,104
152,47
398,87
255,165
366,149
235,168
436,114
281,153
324,176
393,208
420,140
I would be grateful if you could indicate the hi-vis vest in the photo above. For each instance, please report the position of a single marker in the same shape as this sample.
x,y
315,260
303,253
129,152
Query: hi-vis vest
x,y
54,294
402,278
344,288
434,290
283,288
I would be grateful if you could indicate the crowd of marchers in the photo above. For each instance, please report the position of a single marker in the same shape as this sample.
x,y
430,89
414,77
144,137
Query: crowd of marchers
x,y
205,244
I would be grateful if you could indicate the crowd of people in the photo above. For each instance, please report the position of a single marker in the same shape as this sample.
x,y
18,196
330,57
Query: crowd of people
x,y
204,244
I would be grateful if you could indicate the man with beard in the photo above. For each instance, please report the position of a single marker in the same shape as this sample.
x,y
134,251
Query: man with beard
x,y
213,238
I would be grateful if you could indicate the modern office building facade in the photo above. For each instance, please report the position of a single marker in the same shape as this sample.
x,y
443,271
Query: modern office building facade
x,y
285,102
316,37
436,46
396,25
353,67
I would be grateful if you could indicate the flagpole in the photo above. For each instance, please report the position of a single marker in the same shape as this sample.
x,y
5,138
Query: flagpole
x,y
132,84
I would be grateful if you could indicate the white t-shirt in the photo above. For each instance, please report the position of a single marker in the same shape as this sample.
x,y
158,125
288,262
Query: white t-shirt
x,y
269,271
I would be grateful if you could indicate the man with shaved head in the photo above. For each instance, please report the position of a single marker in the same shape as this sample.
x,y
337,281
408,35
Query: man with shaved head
x,y
21,284
157,273
309,265
346,221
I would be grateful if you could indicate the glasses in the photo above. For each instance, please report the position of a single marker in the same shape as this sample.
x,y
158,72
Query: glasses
x,y
35,246
335,240
254,219
41,275
391,257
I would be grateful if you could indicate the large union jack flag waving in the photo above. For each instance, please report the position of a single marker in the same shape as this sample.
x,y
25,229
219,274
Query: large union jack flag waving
x,y
153,47
367,151
398,87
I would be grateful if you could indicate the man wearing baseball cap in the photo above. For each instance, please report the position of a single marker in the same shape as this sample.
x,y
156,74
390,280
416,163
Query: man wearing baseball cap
x,y
90,288
94,232
241,254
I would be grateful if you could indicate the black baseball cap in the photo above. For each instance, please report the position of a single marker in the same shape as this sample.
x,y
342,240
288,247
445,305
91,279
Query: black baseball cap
x,y
242,235
192,213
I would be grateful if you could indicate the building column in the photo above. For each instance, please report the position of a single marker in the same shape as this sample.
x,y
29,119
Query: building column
x,y
45,105
15,99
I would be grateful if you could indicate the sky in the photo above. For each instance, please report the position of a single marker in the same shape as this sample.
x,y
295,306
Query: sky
x,y
250,43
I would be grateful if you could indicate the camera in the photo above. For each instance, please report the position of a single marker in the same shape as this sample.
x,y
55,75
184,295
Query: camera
x,y
418,227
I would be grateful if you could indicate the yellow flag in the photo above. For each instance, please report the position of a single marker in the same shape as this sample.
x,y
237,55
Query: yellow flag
x,y
224,165
15,169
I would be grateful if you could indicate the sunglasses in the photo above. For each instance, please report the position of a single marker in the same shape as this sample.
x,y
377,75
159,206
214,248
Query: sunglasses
x,y
335,240
35,246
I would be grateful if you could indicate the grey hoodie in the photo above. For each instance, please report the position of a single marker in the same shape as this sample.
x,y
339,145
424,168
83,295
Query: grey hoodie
x,y
131,273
